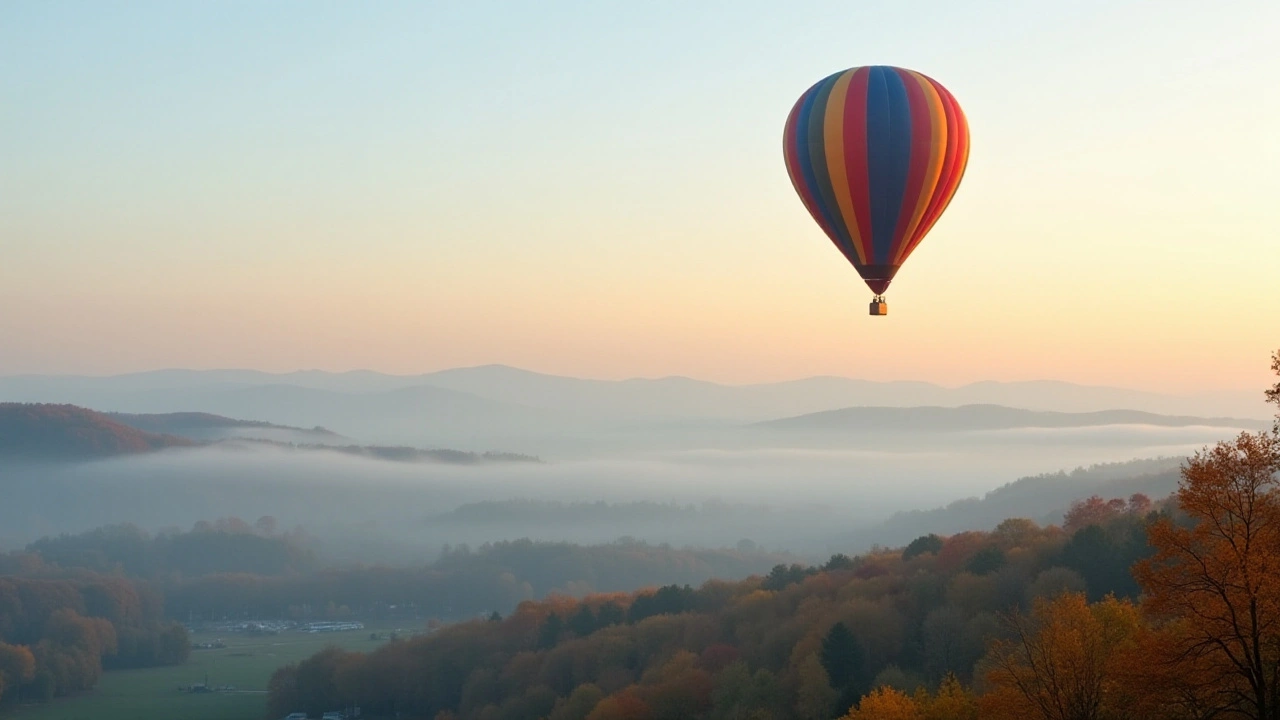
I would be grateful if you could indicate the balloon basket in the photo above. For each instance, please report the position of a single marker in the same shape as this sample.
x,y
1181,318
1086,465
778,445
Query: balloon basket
x,y
879,307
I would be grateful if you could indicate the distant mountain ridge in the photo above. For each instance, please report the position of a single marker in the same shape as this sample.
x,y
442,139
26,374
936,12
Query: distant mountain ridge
x,y
502,408
985,417
670,397
46,431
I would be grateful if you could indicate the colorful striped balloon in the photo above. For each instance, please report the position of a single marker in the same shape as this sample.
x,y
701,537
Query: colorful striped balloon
x,y
876,153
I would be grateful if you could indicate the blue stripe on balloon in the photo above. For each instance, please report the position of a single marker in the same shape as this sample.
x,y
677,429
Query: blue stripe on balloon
x,y
888,156
817,132
815,173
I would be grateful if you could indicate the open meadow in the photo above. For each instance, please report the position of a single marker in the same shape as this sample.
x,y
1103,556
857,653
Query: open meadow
x,y
246,663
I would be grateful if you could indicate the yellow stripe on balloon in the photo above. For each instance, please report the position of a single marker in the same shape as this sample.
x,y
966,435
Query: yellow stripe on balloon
x,y
833,141
961,131
933,171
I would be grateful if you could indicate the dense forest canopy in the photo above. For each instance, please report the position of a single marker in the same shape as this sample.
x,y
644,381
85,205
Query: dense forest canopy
x,y
796,637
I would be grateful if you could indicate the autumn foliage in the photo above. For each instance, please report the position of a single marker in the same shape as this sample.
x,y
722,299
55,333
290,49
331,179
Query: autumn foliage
x,y
57,636
40,431
1214,582
1207,641
1066,660
882,633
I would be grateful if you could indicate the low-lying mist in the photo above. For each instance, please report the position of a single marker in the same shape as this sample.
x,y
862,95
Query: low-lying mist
x,y
800,499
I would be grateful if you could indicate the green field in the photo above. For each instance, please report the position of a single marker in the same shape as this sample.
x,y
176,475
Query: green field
x,y
152,694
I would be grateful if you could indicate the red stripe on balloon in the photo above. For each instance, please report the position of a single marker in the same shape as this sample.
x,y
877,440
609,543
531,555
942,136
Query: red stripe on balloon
x,y
855,154
921,146
953,164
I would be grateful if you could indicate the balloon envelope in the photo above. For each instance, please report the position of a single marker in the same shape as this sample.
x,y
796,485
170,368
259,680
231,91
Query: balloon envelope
x,y
876,153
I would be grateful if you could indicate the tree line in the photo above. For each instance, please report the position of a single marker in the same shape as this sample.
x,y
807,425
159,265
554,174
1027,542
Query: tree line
x,y
73,606
462,581
58,635
228,545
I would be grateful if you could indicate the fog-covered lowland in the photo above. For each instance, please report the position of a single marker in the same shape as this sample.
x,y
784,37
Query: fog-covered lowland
x,y
387,468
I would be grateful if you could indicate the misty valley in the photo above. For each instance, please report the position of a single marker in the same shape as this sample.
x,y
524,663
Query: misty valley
x,y
381,466
494,543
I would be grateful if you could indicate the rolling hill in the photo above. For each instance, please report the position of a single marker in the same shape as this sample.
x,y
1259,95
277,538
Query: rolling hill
x,y
984,417
1043,498
502,388
67,432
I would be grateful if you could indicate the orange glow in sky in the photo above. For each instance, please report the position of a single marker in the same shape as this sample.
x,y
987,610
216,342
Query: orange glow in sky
x,y
604,196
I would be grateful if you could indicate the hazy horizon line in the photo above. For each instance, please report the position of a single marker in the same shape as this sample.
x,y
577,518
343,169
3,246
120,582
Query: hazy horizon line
x,y
634,378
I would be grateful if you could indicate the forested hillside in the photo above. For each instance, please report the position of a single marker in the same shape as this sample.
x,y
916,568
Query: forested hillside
x,y
1044,498
796,642
75,604
67,432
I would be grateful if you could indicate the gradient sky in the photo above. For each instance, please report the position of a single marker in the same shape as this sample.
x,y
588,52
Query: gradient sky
x,y
597,189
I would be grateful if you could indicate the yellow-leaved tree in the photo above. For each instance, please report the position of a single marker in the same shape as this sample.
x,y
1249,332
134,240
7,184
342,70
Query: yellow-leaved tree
x,y
885,703
1067,660
951,702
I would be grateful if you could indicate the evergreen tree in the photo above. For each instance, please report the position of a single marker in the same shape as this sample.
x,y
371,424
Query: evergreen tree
x,y
987,560
583,622
549,634
924,544
844,659
610,613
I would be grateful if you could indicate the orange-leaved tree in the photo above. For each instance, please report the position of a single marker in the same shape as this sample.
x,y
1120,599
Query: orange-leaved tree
x,y
951,702
17,666
885,703
1067,660
1214,582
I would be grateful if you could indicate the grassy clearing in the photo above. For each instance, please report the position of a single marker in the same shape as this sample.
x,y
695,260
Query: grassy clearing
x,y
152,693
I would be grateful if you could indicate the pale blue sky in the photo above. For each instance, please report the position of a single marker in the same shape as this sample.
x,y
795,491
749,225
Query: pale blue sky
x,y
597,188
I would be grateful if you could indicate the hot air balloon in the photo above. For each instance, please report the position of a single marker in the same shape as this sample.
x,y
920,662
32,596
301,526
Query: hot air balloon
x,y
876,154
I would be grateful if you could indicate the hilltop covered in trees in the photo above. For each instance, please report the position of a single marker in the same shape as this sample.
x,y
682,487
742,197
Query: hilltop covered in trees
x,y
1043,498
43,431
35,431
